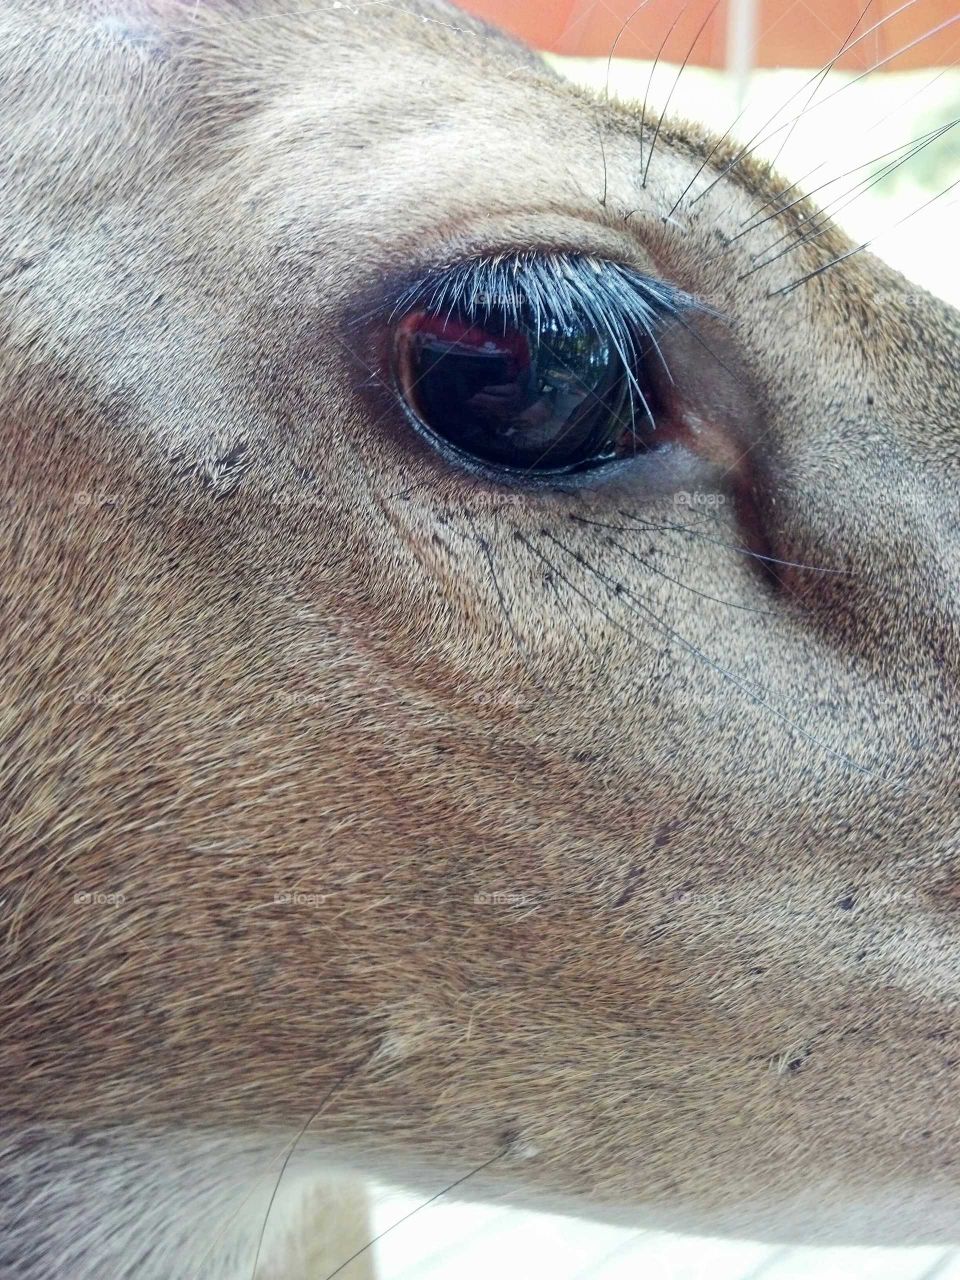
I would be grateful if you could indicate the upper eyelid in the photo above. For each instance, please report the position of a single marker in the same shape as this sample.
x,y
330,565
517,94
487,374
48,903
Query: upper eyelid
x,y
375,303
604,292
496,265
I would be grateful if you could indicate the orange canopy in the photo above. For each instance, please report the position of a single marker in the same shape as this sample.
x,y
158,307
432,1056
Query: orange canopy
x,y
769,33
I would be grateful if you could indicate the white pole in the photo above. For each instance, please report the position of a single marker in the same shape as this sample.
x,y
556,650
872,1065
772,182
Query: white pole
x,y
741,45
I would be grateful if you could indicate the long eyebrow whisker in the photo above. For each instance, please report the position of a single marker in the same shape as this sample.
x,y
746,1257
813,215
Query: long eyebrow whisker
x,y
758,141
606,85
817,167
673,87
646,92
825,71
873,128
846,198
798,184
834,262
703,164
917,143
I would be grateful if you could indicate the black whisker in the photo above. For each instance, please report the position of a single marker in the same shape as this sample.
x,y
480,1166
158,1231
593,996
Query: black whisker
x,y
769,569
550,579
729,604
606,95
819,228
347,1075
683,65
603,157
820,79
705,537
703,164
758,141
621,591
406,1217
646,92
827,266
643,643
922,140
505,610
607,86
896,112
648,527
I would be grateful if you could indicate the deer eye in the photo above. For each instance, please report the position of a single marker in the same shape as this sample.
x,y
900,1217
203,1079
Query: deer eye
x,y
547,398
536,365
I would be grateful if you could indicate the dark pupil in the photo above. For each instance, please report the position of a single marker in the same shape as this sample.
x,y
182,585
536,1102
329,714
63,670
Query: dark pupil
x,y
547,398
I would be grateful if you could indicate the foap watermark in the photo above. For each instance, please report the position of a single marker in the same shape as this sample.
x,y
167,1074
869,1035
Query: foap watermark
x,y
98,898
697,500
485,502
508,699
503,898
297,698
507,298
901,297
97,698
87,498
296,898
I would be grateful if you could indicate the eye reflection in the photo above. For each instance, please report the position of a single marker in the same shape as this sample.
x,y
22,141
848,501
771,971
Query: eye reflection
x,y
549,397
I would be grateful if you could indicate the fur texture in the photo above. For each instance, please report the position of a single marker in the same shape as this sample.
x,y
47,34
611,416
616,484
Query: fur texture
x,y
338,780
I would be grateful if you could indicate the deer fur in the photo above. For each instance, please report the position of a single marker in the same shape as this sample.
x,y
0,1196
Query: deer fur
x,y
343,806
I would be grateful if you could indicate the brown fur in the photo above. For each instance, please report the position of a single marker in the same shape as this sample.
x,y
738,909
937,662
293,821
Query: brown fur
x,y
258,640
